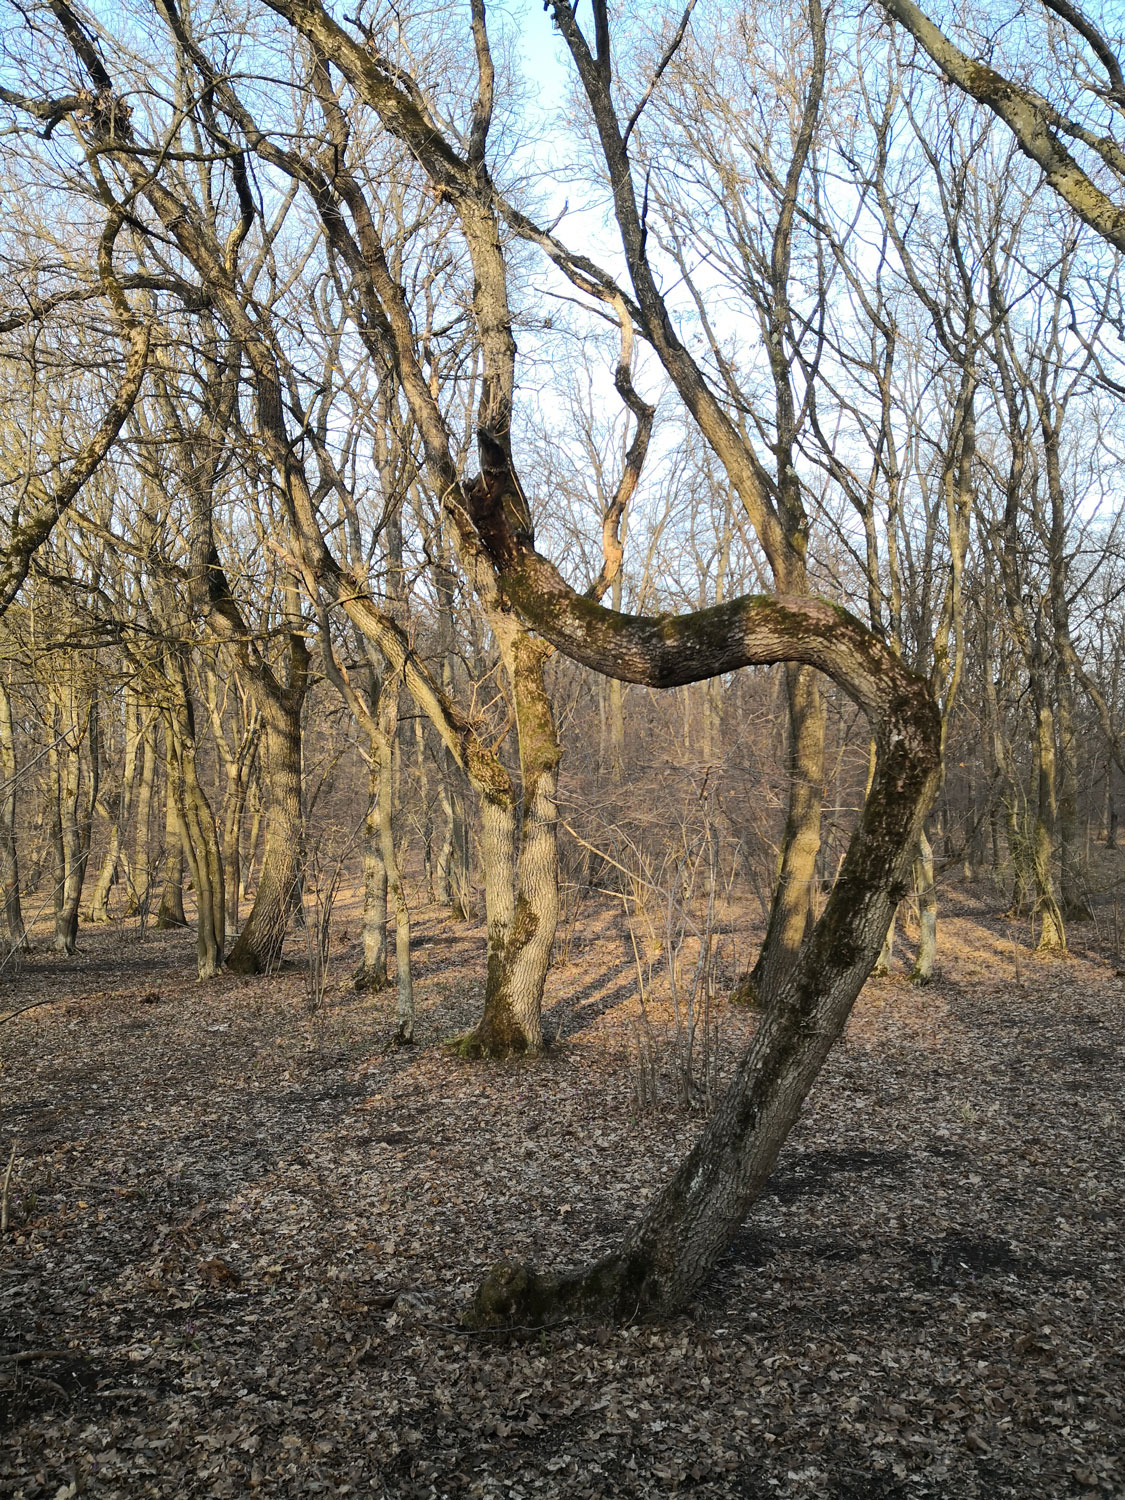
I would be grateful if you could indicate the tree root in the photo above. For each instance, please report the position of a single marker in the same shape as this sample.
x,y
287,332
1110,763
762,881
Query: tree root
x,y
616,1289
369,981
473,1046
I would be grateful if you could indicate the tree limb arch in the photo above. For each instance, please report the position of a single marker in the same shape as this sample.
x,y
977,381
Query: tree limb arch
x,y
693,1217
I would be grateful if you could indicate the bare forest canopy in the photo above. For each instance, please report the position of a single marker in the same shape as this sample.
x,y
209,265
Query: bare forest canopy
x,y
704,494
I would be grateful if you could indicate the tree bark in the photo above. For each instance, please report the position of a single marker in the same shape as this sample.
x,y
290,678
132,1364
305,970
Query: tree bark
x,y
372,971
14,931
926,957
139,895
198,836
257,949
520,946
693,1218
68,822
384,754
170,912
791,910
118,810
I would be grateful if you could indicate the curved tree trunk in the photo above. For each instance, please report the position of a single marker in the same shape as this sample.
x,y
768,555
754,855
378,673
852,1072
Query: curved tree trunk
x,y
107,877
693,1218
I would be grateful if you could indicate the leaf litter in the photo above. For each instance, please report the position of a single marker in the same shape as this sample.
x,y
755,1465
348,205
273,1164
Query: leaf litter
x,y
241,1235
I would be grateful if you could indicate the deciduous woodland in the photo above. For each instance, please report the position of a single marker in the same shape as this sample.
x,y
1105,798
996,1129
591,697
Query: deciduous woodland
x,y
562,693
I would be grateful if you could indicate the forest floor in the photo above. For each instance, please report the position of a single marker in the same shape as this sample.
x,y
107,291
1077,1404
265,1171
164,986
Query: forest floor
x,y
241,1234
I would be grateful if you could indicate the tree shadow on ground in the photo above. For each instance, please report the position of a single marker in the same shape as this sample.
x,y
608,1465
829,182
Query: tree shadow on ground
x,y
583,1006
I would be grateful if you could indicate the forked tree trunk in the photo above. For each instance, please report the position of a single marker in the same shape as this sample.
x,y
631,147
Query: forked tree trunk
x,y
258,947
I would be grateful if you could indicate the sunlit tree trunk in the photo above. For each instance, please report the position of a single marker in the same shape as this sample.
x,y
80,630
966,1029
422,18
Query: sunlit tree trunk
x,y
520,946
372,971
258,947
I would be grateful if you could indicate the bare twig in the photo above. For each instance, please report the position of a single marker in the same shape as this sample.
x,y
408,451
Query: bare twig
x,y
4,1205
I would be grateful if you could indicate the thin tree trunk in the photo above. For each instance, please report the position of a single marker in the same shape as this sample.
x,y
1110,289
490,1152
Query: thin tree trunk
x,y
1052,931
67,822
886,952
404,988
792,909
1110,807
119,812
140,894
1072,880
926,958
199,840
372,971
427,816
14,931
